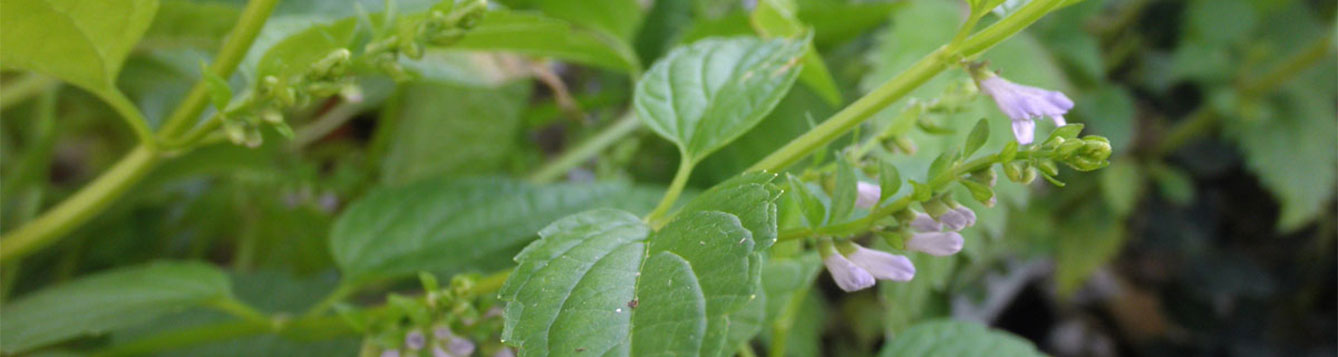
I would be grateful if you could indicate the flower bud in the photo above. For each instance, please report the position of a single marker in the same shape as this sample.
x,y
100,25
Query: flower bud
x,y
1014,171
1028,175
867,195
986,176
954,220
925,223
847,275
1048,167
967,213
936,243
460,347
883,265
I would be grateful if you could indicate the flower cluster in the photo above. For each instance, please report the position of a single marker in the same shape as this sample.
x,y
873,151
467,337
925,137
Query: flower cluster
x,y
854,267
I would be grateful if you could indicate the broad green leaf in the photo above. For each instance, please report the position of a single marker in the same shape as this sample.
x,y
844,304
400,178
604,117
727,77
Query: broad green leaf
x,y
914,300
976,139
843,195
450,129
536,35
108,301
443,225
81,42
707,94
836,23
190,24
600,282
949,338
751,197
790,119
1292,152
779,18
1122,186
618,18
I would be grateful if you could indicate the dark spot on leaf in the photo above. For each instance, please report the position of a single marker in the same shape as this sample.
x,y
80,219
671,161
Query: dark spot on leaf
x,y
633,303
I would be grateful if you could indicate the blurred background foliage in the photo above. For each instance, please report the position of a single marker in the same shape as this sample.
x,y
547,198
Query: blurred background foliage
x,y
1211,233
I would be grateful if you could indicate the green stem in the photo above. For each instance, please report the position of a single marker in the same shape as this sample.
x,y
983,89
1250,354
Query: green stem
x,y
96,196
341,292
897,87
586,149
79,208
239,41
133,117
179,338
26,86
240,310
657,218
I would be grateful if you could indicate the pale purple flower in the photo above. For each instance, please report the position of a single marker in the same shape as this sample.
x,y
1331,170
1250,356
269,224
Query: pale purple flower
x,y
1023,103
968,213
390,353
414,340
867,195
847,275
437,351
936,243
883,265
504,352
460,347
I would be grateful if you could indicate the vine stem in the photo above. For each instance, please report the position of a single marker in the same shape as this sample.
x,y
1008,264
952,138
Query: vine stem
x,y
892,90
97,195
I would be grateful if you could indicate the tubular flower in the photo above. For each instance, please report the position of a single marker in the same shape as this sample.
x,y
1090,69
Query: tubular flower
x,y
415,340
958,218
847,275
883,265
1023,103
867,195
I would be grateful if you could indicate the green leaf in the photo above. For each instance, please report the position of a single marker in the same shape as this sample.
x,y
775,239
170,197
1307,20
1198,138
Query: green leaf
x,y
889,180
453,225
843,195
1067,132
600,282
949,338
1292,152
1122,186
617,18
979,135
812,209
219,92
779,18
1175,184
108,301
450,129
81,42
751,197
1087,239
707,94
536,35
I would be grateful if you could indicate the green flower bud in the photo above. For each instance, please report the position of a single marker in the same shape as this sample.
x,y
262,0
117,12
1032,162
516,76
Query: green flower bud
x,y
985,176
1069,147
1028,175
935,207
1048,167
1014,171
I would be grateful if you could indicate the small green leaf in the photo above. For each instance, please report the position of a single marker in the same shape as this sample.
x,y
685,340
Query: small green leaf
x,y
944,162
979,135
450,225
950,338
536,35
707,94
108,301
81,42
813,210
219,92
843,195
1122,186
889,180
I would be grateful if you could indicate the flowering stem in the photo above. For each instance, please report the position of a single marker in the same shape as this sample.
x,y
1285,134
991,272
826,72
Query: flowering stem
x,y
97,195
892,90
937,183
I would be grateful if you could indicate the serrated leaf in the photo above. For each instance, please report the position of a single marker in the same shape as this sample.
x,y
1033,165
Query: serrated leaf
x,y
979,135
843,195
889,181
751,197
949,338
537,35
81,42
600,282
108,301
707,94
445,225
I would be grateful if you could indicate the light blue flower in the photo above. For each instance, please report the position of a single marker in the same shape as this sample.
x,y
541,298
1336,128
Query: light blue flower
x,y
1022,104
